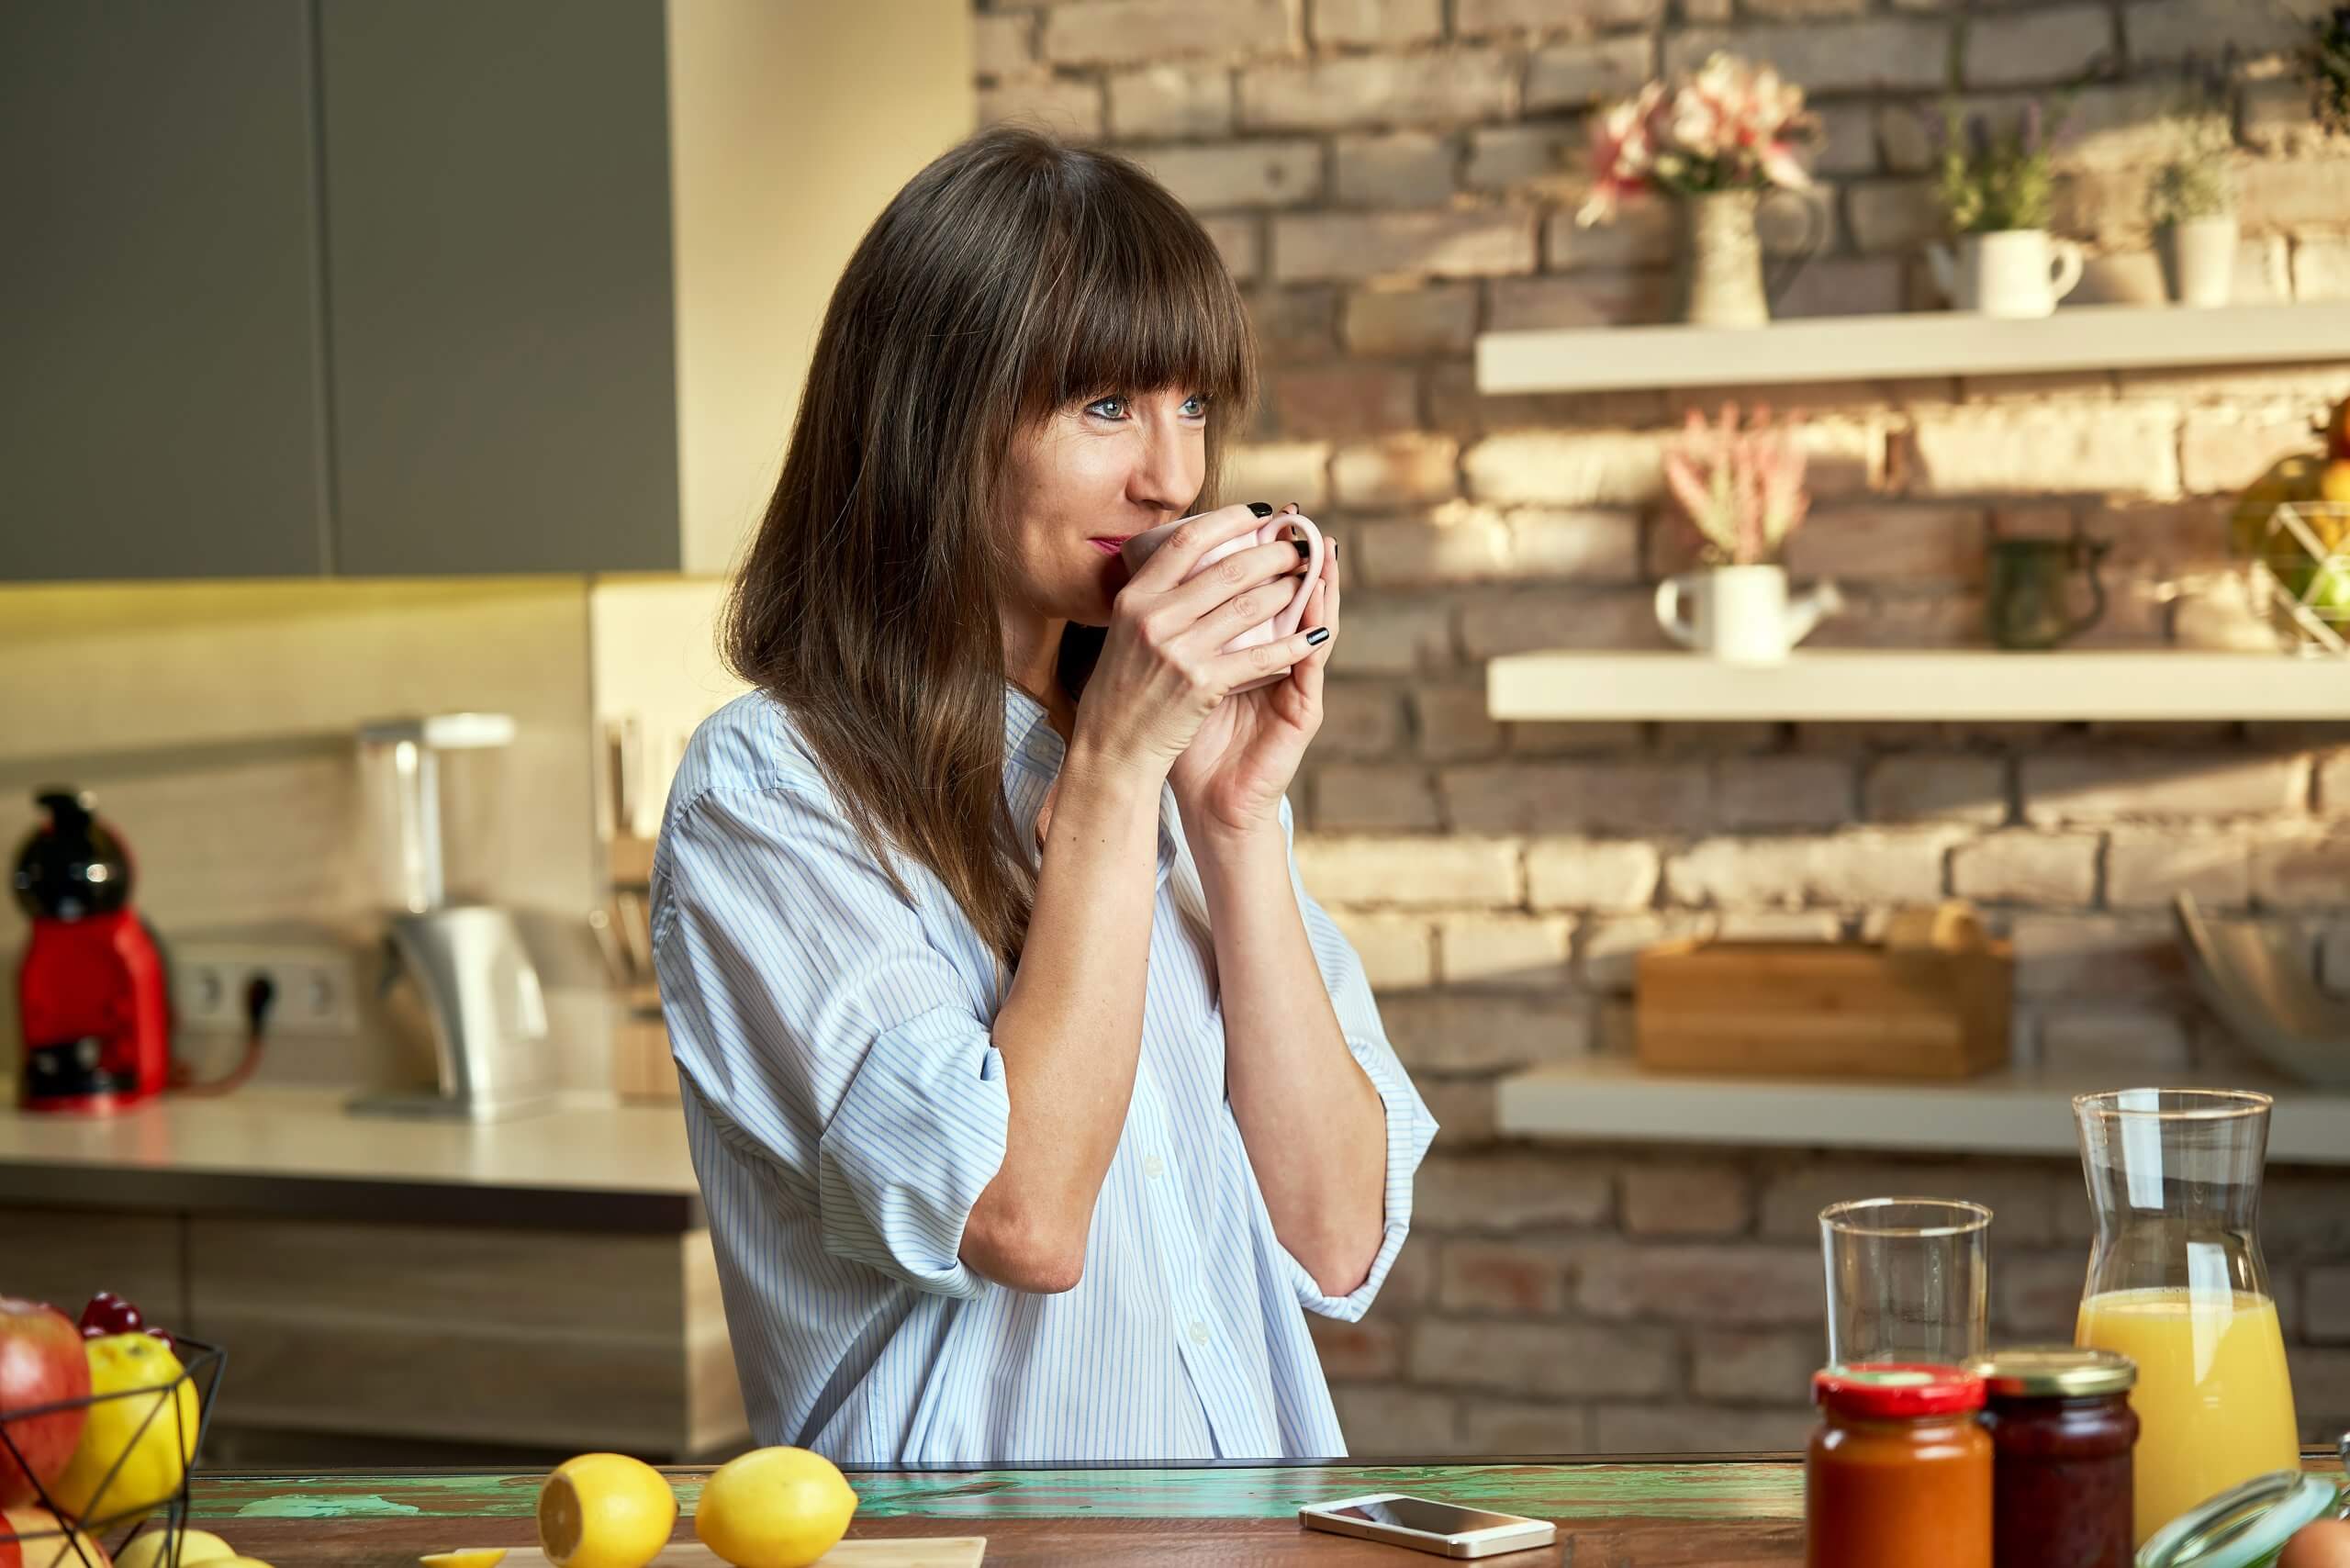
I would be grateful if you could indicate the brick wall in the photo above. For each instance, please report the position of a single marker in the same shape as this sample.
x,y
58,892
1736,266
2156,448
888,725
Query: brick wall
x,y
1390,177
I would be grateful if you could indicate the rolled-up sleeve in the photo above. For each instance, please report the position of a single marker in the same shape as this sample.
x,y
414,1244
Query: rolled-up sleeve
x,y
810,1012
1410,1127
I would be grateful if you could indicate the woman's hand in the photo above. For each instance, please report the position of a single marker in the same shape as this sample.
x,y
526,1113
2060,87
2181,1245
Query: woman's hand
x,y
1230,779
1162,673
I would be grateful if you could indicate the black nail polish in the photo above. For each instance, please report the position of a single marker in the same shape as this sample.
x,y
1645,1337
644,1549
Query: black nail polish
x,y
1261,508
1318,636
1304,549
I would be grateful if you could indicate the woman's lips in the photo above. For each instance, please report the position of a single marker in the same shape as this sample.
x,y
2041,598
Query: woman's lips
x,y
1108,546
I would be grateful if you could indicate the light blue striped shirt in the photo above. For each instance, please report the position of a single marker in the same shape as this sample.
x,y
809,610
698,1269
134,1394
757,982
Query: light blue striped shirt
x,y
845,1108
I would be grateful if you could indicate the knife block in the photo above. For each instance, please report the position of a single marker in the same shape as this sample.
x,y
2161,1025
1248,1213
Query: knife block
x,y
642,1066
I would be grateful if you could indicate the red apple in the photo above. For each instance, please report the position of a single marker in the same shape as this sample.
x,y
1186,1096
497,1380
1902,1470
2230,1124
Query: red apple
x,y
41,1362
46,1542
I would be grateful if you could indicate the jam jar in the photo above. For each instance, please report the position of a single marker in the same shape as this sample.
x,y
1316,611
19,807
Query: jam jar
x,y
2061,1432
1898,1470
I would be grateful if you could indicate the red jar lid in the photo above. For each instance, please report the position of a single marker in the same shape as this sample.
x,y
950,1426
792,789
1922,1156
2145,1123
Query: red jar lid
x,y
1896,1388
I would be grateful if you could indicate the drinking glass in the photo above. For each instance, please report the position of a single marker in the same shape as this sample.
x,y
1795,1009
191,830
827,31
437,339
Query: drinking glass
x,y
2176,1283
1908,1280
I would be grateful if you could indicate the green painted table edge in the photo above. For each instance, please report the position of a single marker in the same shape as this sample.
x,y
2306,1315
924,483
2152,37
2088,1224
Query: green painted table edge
x,y
1758,1489
1740,1488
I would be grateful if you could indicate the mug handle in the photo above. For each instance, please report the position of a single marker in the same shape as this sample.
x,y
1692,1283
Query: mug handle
x,y
1668,613
1294,614
2065,269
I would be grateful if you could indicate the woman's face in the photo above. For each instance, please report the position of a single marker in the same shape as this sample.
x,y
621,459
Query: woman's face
x,y
1087,477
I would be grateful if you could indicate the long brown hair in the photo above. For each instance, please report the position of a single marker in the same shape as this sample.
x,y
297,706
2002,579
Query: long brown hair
x,y
1011,278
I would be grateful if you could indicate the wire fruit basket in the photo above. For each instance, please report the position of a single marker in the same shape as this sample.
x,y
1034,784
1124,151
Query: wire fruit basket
x,y
75,1545
2297,561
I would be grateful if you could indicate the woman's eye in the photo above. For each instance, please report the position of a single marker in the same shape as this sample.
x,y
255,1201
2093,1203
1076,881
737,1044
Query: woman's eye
x,y
1108,408
1194,407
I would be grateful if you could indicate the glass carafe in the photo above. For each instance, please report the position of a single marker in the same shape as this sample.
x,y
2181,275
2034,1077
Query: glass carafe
x,y
2176,1284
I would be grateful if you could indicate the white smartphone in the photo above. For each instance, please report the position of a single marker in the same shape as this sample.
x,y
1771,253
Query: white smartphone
x,y
1447,1529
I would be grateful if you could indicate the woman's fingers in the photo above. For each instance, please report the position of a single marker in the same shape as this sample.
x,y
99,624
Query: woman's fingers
x,y
1181,551
1236,593
1268,659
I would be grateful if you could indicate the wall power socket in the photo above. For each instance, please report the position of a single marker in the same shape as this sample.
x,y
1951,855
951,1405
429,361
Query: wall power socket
x,y
316,988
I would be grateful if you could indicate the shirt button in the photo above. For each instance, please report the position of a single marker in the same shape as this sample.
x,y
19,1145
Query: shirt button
x,y
1154,1167
1199,1333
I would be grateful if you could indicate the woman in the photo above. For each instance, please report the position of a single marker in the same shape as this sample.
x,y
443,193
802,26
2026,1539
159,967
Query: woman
x,y
1023,1136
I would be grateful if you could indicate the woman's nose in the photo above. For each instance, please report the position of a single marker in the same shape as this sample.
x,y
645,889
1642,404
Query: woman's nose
x,y
1166,472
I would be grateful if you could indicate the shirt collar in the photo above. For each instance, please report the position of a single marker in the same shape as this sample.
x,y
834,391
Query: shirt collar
x,y
1030,742
1033,747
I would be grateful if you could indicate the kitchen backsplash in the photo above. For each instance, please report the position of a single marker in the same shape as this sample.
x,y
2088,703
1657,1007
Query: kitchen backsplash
x,y
215,723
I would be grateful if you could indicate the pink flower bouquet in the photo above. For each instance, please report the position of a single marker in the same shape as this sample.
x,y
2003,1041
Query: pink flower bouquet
x,y
1729,125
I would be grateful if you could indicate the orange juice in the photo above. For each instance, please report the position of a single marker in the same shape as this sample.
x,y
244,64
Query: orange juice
x,y
2214,1404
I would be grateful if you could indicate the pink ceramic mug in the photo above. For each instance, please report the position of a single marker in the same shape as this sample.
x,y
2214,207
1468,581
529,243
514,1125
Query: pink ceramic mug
x,y
1272,531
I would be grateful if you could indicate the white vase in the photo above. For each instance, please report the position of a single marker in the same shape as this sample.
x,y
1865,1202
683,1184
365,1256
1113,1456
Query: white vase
x,y
1720,279
1721,262
2199,259
2015,272
1741,615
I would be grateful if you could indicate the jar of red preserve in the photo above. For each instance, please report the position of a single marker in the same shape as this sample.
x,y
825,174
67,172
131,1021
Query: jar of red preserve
x,y
2061,1432
1899,1470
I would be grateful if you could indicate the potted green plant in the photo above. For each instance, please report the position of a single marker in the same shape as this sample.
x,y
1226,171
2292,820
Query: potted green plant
x,y
1996,183
2326,56
2192,206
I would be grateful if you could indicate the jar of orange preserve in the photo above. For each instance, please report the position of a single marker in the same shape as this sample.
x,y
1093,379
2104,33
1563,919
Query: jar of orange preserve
x,y
1899,1470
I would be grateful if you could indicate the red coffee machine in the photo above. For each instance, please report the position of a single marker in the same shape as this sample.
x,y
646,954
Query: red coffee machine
x,y
92,1002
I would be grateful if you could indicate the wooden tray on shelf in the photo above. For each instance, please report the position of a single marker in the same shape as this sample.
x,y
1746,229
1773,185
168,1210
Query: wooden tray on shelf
x,y
1931,1001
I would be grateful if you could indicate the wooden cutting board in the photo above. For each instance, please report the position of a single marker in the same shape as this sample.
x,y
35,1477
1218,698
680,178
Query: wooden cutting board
x,y
943,1551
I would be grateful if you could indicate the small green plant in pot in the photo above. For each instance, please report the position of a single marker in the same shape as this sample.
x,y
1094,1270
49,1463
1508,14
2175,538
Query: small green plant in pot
x,y
2191,204
1997,182
1996,178
2327,59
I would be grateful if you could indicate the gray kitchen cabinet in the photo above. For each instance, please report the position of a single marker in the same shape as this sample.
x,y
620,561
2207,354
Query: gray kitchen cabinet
x,y
498,239
160,410
392,288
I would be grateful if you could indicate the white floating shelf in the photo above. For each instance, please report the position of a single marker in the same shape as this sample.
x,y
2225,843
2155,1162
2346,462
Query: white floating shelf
x,y
1985,687
1908,344
1610,1100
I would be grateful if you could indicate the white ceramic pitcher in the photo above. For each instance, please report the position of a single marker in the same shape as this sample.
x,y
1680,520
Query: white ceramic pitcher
x,y
2015,272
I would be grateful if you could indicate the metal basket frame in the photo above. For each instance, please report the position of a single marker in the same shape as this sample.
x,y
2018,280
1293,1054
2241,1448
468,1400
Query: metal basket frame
x,y
203,1369
2311,631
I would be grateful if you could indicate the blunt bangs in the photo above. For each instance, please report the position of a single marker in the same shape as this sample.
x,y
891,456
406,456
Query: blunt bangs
x,y
1132,297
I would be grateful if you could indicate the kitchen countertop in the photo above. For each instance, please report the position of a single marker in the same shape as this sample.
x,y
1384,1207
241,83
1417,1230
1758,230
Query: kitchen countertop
x,y
1629,1512
585,1164
2012,1111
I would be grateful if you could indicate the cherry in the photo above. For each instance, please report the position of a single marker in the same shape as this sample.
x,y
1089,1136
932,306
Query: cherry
x,y
109,1313
164,1335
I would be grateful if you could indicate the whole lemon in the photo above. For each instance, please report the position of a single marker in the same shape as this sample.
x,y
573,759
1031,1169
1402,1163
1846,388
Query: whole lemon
x,y
780,1508
605,1511
136,1446
154,1547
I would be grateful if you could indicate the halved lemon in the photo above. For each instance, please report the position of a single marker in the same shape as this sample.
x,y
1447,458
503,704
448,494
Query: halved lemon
x,y
605,1511
471,1557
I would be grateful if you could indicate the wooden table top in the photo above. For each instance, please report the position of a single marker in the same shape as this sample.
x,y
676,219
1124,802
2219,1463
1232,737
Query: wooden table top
x,y
1675,1512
